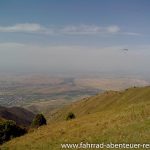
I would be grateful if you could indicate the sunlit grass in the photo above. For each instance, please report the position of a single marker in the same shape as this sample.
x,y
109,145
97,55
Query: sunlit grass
x,y
118,117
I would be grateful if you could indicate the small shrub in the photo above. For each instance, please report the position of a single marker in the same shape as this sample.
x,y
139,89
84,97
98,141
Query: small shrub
x,y
70,116
38,121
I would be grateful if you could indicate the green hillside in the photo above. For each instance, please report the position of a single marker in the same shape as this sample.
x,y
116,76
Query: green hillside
x,y
117,117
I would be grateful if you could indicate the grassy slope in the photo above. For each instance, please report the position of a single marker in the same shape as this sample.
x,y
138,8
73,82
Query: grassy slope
x,y
110,117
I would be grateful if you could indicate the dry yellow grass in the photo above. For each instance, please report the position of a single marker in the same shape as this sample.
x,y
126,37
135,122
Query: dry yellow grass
x,y
118,117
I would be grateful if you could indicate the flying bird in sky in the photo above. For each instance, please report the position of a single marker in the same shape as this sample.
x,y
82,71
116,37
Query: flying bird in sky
x,y
125,49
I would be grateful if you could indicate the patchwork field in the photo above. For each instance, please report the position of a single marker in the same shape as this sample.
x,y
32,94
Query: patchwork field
x,y
40,93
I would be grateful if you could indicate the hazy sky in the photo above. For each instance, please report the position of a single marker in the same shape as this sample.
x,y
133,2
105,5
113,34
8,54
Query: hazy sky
x,y
75,35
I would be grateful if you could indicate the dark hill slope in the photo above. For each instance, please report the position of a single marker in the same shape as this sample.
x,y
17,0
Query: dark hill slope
x,y
20,115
